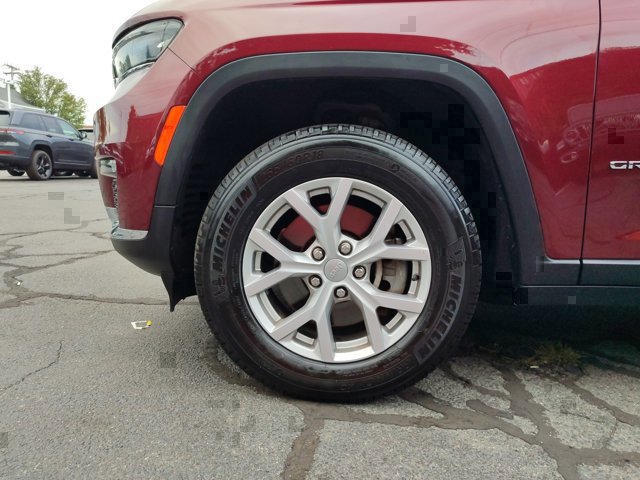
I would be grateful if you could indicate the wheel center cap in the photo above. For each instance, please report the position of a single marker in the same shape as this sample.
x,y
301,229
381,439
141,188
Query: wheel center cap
x,y
335,270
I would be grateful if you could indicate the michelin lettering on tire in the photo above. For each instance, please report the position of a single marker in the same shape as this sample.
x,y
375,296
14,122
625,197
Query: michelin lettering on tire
x,y
221,236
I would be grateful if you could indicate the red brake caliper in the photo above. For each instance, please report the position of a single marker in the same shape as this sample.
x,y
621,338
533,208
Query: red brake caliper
x,y
355,221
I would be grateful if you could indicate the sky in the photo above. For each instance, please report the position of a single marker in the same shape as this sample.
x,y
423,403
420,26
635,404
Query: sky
x,y
70,39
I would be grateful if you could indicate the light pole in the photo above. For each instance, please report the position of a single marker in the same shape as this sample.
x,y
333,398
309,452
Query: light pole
x,y
12,72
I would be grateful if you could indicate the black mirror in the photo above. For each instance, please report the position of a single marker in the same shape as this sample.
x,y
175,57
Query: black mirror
x,y
83,135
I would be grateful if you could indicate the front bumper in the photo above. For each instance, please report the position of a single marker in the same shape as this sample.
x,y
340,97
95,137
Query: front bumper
x,y
149,249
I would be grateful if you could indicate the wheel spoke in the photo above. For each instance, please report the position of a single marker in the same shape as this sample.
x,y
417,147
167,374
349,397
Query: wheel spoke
x,y
289,325
375,332
326,227
386,220
405,252
331,220
400,302
313,310
292,264
259,282
395,301
408,252
301,204
277,250
325,342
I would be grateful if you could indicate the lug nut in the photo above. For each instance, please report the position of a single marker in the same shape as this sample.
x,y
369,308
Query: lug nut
x,y
315,281
317,253
341,292
345,248
359,272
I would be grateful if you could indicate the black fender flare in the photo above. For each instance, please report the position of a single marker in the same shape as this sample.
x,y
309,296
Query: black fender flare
x,y
533,266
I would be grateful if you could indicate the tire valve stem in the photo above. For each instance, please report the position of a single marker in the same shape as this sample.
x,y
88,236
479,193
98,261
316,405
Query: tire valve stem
x,y
415,277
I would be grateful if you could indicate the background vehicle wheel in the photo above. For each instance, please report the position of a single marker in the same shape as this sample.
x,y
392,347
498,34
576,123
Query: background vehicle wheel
x,y
83,174
338,263
63,173
41,167
14,172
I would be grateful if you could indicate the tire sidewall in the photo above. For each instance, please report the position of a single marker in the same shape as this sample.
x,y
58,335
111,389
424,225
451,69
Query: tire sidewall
x,y
455,266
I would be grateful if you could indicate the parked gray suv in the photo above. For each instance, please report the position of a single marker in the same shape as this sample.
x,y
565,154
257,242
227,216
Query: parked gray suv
x,y
42,145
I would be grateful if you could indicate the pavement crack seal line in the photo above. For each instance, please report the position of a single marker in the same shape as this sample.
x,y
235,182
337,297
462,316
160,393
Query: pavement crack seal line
x,y
22,294
590,398
448,372
300,458
38,370
80,298
609,439
566,457
16,289
14,235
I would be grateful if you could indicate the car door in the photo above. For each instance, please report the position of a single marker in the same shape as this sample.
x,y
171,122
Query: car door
x,y
60,146
79,151
612,230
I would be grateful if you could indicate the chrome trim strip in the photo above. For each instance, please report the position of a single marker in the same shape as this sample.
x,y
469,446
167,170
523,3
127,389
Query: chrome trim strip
x,y
112,213
125,234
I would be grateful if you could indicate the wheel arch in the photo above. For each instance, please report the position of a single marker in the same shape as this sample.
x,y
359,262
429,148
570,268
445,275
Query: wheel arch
x,y
39,145
531,266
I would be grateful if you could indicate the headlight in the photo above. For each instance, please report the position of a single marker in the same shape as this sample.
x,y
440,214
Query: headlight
x,y
142,46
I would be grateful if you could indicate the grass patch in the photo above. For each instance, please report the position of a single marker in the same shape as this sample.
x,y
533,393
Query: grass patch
x,y
525,352
556,355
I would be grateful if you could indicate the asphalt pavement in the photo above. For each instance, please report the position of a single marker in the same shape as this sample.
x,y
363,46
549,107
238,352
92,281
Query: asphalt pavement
x,y
532,393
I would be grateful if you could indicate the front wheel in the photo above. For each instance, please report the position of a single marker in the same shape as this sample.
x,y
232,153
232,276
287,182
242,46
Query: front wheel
x,y
41,167
338,263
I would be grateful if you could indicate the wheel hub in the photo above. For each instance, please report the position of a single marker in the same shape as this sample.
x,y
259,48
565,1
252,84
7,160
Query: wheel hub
x,y
335,270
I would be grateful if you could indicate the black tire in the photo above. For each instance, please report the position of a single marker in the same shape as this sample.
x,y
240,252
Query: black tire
x,y
93,173
83,174
14,172
41,166
63,173
339,151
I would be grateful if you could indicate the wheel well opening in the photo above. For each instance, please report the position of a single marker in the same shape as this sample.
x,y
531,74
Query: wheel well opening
x,y
44,148
433,117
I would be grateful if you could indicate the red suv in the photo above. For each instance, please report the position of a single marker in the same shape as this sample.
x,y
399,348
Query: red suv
x,y
337,180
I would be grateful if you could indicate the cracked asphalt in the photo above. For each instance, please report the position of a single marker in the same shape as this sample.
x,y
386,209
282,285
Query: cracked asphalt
x,y
84,395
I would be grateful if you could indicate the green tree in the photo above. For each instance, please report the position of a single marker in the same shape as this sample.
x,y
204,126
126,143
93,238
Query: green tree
x,y
52,94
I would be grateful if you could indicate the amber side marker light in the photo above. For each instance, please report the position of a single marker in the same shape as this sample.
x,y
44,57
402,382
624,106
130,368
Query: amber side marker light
x,y
169,128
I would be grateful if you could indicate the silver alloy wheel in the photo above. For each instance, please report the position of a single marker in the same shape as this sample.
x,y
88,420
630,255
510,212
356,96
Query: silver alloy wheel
x,y
378,309
43,165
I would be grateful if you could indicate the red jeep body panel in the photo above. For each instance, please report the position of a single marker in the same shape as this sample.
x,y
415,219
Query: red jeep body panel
x,y
539,57
613,213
